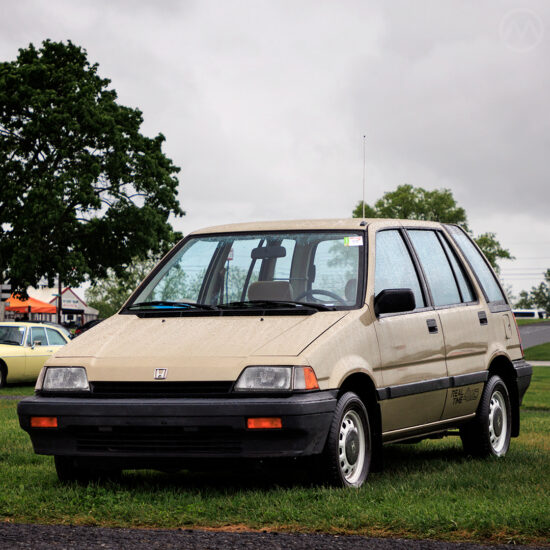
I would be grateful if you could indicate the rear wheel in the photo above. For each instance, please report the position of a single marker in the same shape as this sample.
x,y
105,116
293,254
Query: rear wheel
x,y
489,434
348,450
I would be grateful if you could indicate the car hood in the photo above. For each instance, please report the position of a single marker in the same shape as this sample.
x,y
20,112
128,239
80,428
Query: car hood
x,y
127,347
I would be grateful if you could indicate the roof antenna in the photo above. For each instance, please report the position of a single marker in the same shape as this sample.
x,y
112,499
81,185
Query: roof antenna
x,y
364,170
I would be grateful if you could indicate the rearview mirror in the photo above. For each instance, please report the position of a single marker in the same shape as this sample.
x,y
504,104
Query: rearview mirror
x,y
268,252
394,300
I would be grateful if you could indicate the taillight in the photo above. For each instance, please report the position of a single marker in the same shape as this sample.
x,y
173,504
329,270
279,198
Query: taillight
x,y
519,334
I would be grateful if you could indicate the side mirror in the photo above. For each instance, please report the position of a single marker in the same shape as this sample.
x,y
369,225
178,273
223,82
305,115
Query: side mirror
x,y
394,300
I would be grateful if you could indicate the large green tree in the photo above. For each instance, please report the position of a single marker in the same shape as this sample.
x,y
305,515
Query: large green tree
x,y
109,293
82,190
416,203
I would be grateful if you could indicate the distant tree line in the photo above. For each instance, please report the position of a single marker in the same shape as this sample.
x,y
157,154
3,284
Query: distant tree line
x,y
415,203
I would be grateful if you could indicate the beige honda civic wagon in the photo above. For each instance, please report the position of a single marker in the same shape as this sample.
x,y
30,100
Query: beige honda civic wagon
x,y
324,339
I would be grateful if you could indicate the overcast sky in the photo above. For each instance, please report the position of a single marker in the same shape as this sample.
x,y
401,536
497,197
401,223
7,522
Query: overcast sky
x,y
264,103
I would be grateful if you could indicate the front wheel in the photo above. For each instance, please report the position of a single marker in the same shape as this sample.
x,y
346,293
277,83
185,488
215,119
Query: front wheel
x,y
348,450
69,470
489,434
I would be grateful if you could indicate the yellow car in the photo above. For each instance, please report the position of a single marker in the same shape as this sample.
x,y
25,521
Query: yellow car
x,y
25,347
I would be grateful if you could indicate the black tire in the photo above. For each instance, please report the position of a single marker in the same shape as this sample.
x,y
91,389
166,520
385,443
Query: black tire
x,y
68,470
3,375
347,455
489,433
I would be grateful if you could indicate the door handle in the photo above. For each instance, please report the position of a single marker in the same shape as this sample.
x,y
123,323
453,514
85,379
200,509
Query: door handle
x,y
482,318
432,326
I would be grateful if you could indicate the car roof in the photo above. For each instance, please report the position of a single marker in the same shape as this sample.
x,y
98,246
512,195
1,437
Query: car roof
x,y
309,225
28,324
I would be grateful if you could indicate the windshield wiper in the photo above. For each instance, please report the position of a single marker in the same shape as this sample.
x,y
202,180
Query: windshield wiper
x,y
164,304
275,304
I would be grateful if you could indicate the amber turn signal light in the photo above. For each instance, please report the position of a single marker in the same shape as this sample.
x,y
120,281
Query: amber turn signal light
x,y
264,423
311,379
43,422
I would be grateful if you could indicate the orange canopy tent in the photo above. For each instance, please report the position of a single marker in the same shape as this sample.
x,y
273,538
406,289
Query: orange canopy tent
x,y
22,306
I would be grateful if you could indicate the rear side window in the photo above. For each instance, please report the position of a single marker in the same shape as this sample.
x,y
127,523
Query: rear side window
x,y
436,267
54,338
463,282
394,267
478,263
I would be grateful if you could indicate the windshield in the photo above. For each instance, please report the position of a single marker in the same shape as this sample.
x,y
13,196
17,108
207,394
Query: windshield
x,y
12,335
318,270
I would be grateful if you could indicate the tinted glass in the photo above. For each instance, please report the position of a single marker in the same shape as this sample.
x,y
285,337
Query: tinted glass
x,y
394,267
436,267
54,338
479,265
463,282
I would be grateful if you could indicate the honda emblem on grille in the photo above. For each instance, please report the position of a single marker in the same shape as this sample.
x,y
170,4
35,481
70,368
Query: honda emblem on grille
x,y
160,374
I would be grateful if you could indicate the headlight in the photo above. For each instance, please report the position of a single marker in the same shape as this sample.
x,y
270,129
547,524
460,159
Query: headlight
x,y
65,379
268,378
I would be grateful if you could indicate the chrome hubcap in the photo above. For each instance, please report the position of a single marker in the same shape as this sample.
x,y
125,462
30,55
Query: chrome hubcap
x,y
498,423
351,447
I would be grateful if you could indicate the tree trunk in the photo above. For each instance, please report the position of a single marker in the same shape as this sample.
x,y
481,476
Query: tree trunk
x,y
59,300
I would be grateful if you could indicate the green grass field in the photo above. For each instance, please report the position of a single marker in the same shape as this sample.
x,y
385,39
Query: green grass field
x,y
538,353
428,490
531,321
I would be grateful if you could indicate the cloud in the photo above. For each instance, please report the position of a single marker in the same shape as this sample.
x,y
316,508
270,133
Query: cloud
x,y
264,103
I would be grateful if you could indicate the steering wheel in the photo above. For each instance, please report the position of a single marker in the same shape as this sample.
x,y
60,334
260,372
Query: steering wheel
x,y
310,293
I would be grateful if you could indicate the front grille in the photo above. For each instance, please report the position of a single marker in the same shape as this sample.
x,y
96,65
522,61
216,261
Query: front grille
x,y
159,441
159,389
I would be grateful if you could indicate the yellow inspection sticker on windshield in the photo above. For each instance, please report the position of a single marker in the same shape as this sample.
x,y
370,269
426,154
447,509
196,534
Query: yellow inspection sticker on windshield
x,y
354,240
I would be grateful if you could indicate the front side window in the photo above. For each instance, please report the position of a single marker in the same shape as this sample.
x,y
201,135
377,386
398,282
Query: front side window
x,y
394,266
223,271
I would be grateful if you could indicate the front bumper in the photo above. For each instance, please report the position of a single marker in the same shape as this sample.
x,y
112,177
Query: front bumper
x,y
148,431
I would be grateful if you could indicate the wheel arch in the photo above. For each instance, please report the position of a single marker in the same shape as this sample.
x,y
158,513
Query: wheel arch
x,y
503,367
363,385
